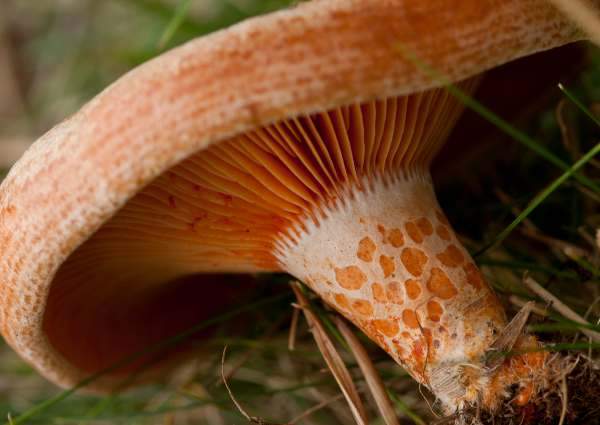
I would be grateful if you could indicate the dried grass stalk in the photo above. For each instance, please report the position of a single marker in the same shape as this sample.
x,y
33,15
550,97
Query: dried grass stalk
x,y
373,379
560,307
332,358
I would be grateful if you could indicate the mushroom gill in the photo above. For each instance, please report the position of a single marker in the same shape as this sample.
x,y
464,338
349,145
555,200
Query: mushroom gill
x,y
276,199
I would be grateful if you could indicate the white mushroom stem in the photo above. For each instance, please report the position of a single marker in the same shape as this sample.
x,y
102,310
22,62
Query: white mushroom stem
x,y
385,256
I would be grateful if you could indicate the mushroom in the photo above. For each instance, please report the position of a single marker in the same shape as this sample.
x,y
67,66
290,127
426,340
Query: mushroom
x,y
299,141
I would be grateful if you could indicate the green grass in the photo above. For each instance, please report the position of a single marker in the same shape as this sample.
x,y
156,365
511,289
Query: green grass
x,y
535,202
65,52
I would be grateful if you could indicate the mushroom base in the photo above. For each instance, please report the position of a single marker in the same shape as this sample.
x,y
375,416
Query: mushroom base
x,y
386,258
567,390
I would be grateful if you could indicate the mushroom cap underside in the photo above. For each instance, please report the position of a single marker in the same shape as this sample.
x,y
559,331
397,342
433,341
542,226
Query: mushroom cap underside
x,y
226,209
314,57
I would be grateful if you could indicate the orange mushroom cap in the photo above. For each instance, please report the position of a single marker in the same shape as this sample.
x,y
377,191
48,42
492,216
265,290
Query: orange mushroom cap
x,y
219,155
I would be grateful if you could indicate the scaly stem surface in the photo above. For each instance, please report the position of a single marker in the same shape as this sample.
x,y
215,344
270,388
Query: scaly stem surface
x,y
386,257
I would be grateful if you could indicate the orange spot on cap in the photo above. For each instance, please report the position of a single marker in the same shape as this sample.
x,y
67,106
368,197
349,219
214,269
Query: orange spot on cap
x,y
396,238
414,260
434,311
413,288
387,265
366,248
452,256
350,277
410,318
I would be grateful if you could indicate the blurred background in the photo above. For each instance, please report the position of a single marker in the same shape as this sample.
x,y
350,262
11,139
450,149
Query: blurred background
x,y
57,54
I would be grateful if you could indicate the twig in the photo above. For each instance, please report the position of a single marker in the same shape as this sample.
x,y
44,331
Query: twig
x,y
564,399
210,411
316,408
373,379
566,129
560,307
591,308
293,329
536,308
587,192
564,247
508,201
251,419
587,237
332,358
265,337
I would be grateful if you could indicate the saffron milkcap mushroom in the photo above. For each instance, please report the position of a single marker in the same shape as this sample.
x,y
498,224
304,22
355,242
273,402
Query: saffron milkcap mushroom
x,y
299,141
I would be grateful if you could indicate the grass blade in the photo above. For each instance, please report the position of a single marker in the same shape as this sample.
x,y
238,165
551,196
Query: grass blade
x,y
578,103
403,407
490,116
167,343
535,202
179,16
562,326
